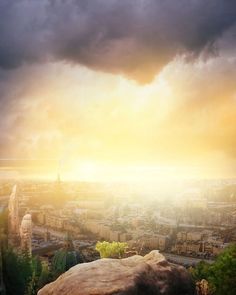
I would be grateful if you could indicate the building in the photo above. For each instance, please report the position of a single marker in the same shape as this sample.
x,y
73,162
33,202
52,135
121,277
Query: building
x,y
14,211
157,242
55,221
26,234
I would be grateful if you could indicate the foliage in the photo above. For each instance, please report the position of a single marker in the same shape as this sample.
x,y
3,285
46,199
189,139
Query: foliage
x,y
64,260
221,275
112,250
23,274
201,271
3,228
36,272
45,276
20,273
4,220
17,272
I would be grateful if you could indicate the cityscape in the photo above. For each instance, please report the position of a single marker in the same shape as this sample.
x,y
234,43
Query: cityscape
x,y
117,147
196,225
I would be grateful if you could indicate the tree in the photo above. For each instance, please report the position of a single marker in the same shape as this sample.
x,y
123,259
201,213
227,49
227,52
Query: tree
x,y
223,272
36,273
111,250
17,272
45,276
2,285
3,245
20,273
4,228
201,271
221,275
64,259
23,274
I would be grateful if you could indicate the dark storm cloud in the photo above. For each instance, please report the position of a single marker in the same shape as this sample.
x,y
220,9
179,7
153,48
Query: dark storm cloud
x,y
133,37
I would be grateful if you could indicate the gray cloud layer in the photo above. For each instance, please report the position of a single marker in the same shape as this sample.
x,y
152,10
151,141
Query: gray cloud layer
x,y
133,37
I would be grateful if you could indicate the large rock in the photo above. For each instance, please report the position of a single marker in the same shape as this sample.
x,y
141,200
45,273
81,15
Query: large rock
x,y
138,275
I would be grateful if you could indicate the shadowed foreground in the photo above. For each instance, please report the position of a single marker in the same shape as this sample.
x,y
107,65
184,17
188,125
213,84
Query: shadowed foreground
x,y
150,274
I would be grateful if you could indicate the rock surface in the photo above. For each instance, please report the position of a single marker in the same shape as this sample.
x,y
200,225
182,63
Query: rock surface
x,y
137,275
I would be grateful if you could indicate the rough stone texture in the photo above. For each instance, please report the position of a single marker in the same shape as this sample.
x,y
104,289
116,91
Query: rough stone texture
x,y
138,275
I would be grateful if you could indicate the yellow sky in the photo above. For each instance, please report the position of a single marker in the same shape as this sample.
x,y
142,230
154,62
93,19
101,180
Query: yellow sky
x,y
101,126
118,90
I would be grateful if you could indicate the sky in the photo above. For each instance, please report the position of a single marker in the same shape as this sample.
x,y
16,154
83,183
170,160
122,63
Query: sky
x,y
135,89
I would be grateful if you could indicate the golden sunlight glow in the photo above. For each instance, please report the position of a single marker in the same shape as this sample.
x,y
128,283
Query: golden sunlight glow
x,y
103,126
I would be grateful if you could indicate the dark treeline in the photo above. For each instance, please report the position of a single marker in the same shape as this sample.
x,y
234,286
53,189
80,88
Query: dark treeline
x,y
22,274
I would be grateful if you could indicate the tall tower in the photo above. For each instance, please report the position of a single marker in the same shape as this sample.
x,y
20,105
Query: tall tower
x,y
26,234
13,207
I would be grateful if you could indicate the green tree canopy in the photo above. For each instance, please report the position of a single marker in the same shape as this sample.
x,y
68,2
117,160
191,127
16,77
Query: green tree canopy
x,y
221,275
65,258
17,272
45,276
111,250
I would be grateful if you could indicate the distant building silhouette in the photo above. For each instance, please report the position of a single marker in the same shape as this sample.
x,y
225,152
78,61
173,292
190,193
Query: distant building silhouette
x,y
26,233
13,216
